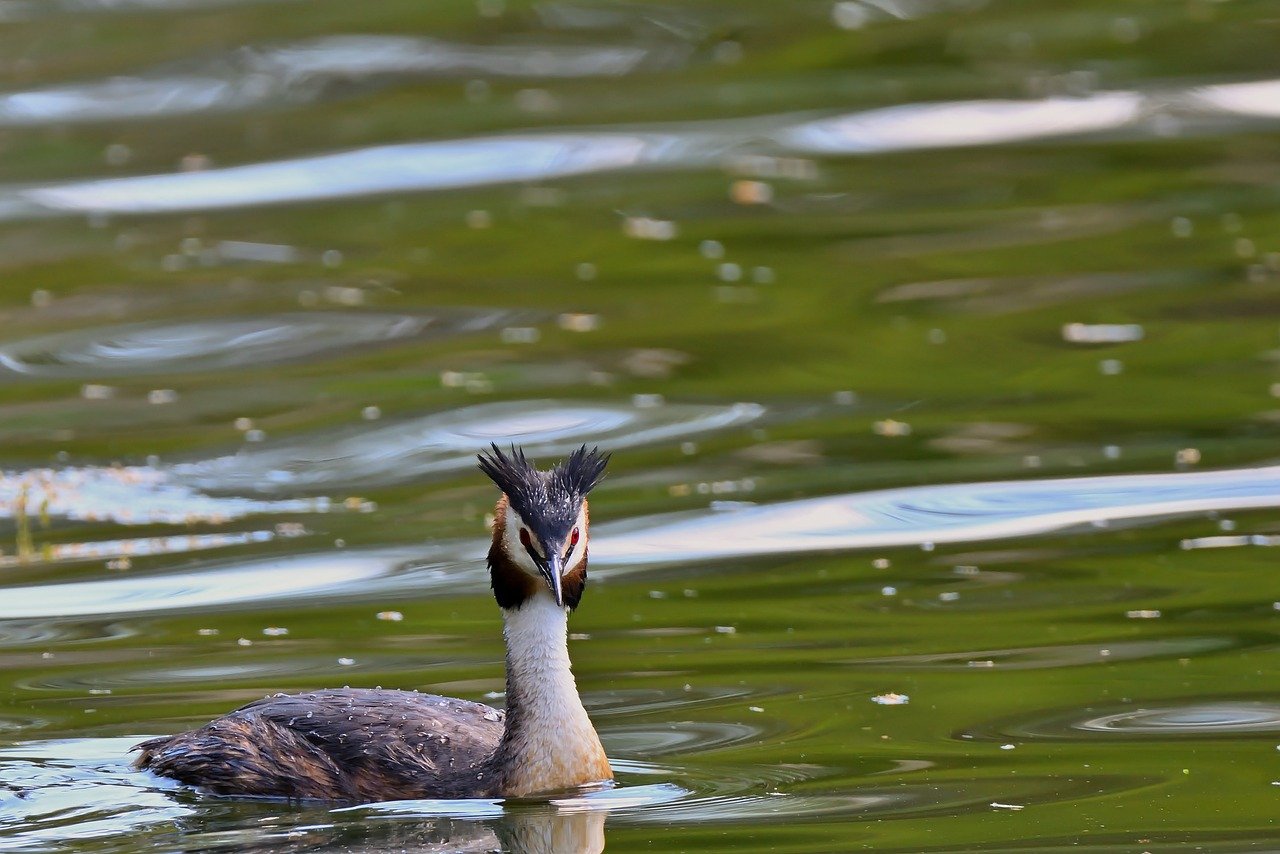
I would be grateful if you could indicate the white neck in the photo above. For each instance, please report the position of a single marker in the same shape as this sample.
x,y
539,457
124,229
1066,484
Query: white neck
x,y
549,741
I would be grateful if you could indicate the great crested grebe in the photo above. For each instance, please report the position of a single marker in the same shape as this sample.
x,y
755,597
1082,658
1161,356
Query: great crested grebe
x,y
360,745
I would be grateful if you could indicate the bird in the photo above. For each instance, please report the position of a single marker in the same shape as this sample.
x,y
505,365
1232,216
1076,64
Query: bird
x,y
360,745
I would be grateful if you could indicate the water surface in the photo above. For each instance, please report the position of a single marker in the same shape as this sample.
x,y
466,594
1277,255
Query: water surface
x,y
936,344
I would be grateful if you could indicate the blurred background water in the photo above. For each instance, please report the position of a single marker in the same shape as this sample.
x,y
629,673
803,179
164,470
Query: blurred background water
x,y
938,342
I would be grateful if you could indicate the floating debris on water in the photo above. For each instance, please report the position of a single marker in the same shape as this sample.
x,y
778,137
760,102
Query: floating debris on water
x,y
1102,333
891,699
1223,542
646,228
275,631
890,427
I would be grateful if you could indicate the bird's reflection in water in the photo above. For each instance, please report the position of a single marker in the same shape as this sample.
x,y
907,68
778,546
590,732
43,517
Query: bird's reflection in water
x,y
518,831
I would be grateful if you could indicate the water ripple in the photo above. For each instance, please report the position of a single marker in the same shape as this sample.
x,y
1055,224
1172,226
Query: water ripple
x,y
930,514
1061,655
222,343
305,71
257,581
447,442
1168,720
449,164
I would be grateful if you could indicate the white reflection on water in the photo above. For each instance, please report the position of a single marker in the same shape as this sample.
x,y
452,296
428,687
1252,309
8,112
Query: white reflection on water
x,y
220,343
950,125
382,169
951,513
941,514
256,581
128,495
305,71
449,164
448,441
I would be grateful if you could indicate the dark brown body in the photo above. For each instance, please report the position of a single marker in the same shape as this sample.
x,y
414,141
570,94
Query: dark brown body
x,y
343,744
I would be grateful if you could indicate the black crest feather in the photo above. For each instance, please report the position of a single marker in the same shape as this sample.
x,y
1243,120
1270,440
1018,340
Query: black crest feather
x,y
548,501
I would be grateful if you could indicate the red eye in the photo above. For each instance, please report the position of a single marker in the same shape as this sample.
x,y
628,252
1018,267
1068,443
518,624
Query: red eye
x,y
573,538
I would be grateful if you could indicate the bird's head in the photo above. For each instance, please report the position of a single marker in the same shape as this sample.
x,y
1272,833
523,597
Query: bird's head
x,y
540,525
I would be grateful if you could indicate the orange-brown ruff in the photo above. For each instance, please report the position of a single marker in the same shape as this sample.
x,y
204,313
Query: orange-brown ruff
x,y
360,745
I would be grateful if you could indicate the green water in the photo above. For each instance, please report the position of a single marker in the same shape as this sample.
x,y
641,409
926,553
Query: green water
x,y
239,407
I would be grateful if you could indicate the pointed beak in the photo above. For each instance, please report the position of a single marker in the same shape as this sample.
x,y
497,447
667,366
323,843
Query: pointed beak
x,y
551,572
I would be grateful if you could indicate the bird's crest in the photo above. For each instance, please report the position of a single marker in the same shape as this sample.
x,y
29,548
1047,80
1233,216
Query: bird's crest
x,y
548,501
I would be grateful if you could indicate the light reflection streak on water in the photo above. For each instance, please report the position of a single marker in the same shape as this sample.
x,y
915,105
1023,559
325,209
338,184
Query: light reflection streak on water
x,y
229,342
943,514
450,164
932,514
257,581
381,169
447,441
300,72
128,495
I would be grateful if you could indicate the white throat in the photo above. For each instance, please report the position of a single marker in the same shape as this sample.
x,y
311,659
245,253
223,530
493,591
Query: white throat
x,y
549,737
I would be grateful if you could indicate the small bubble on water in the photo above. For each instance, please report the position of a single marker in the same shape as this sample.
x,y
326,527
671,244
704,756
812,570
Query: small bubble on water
x,y
586,272
657,594
763,275
647,228
161,396
712,250
117,154
729,272
275,631
756,709
890,427
888,591
345,662
891,699
937,336
688,448
1110,367
1245,248
41,298
747,192
390,616
479,219
207,633
1187,456
1226,525
579,322
242,424
647,401
331,258
948,596
1111,452
726,630
1143,614
254,435
520,335
1008,747
93,391
244,642
880,563
847,398
1181,227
